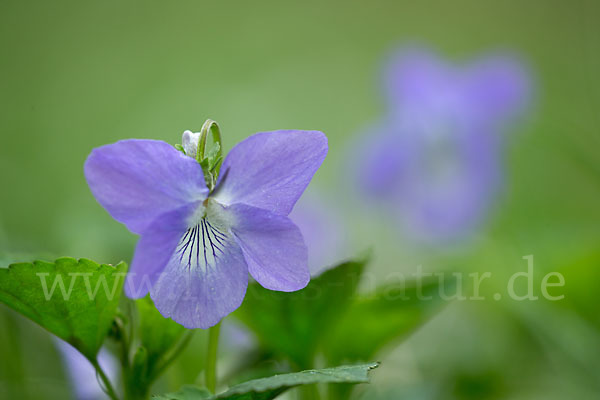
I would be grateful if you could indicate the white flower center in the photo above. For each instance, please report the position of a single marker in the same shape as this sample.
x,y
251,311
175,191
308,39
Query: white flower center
x,y
206,238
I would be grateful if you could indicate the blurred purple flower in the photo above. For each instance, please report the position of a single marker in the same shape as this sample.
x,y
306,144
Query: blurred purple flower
x,y
236,338
436,158
322,231
82,374
196,248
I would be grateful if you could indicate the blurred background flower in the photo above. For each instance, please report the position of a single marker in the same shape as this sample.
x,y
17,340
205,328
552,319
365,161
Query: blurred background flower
x,y
82,375
436,159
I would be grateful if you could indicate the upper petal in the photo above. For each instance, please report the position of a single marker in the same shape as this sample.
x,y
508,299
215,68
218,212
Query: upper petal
x,y
270,170
138,180
418,79
498,86
273,248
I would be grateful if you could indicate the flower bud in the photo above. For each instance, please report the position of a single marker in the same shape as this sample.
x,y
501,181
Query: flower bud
x,y
189,141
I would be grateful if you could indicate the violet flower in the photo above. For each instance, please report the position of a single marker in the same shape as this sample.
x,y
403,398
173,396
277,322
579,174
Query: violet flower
x,y
198,246
436,158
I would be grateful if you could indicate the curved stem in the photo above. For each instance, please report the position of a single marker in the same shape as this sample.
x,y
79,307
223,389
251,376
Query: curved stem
x,y
211,358
108,388
212,127
211,164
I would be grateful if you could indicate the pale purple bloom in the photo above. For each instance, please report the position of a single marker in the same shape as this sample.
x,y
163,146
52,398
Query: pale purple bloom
x,y
197,248
436,158
81,373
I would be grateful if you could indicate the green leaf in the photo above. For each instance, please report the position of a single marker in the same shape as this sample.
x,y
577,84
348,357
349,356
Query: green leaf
x,y
187,392
158,334
387,315
75,300
293,324
271,387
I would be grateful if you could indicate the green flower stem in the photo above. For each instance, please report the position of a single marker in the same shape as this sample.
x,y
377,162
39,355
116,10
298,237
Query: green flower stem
x,y
211,358
108,388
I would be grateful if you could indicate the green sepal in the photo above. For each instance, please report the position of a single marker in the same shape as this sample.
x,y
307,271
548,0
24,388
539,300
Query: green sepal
x,y
179,147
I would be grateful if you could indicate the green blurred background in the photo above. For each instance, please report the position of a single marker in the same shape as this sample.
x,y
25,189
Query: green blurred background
x,y
79,74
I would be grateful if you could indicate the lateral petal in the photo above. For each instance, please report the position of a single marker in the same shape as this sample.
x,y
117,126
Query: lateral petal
x,y
138,180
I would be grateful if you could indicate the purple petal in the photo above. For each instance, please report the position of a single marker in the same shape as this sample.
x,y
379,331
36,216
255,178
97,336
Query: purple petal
x,y
417,78
444,209
273,247
138,180
420,86
498,86
386,155
204,280
270,170
154,249
438,185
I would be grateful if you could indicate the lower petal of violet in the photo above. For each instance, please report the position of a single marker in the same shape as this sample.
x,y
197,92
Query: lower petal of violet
x,y
154,250
205,278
